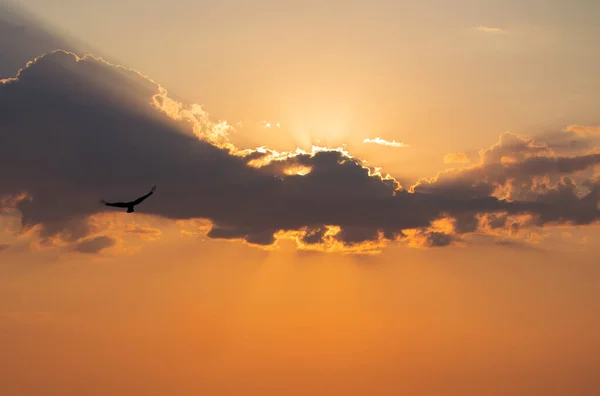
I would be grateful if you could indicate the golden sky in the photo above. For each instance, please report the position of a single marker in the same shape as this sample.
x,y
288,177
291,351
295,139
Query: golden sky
x,y
353,197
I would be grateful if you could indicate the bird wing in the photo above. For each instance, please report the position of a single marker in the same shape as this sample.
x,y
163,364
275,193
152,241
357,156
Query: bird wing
x,y
116,204
140,199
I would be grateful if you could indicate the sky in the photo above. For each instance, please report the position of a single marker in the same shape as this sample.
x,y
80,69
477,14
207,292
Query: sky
x,y
353,197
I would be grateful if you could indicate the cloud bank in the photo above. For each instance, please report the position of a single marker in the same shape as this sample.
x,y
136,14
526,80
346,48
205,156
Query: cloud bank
x,y
75,129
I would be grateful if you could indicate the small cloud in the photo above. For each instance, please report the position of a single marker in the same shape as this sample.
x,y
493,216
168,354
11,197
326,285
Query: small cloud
x,y
144,232
456,158
95,245
517,244
584,130
383,142
489,29
3,246
566,235
269,124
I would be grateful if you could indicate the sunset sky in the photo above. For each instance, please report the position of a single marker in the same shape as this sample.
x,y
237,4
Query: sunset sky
x,y
353,197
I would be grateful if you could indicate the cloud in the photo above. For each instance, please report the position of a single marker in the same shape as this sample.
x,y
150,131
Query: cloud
x,y
520,170
489,29
78,129
94,245
514,164
456,158
386,143
430,239
269,124
584,130
3,246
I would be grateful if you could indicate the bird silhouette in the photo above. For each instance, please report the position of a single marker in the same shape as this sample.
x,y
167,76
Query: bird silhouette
x,y
129,205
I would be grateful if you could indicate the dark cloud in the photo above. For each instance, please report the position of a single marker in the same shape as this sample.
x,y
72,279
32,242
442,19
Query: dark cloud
x,y
3,246
314,236
497,221
94,245
354,235
439,239
75,130
466,222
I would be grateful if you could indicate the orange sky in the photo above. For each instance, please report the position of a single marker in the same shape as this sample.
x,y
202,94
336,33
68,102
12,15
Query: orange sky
x,y
167,309
222,318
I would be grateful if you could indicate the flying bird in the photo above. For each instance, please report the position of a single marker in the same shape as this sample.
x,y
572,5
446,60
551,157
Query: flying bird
x,y
131,204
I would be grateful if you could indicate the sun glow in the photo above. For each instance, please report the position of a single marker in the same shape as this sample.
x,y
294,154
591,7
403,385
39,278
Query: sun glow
x,y
298,170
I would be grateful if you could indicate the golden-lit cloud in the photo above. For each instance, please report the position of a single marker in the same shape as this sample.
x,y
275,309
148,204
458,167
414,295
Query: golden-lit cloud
x,y
456,158
383,142
118,224
194,227
331,239
417,238
584,130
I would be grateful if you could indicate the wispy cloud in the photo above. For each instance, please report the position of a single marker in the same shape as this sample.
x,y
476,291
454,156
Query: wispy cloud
x,y
94,245
584,130
383,142
456,158
489,29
